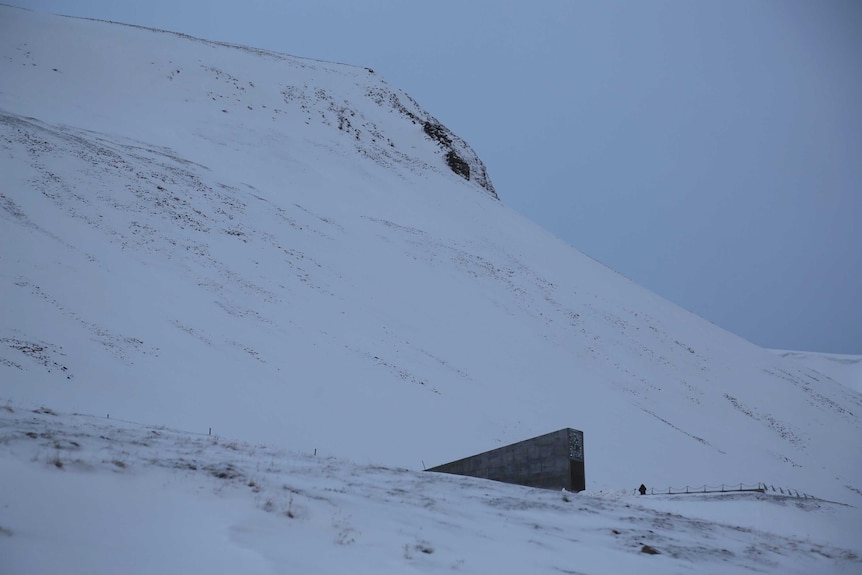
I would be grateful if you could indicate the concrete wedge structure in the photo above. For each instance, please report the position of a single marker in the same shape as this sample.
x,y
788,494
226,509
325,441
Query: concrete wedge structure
x,y
551,461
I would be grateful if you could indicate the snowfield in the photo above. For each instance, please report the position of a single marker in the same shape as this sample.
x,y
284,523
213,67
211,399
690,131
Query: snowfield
x,y
295,257
106,496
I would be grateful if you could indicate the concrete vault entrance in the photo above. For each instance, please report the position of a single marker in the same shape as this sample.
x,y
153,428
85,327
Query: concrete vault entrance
x,y
551,461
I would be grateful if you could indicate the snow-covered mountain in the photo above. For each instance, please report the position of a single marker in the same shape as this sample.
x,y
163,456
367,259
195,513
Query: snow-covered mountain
x,y
294,253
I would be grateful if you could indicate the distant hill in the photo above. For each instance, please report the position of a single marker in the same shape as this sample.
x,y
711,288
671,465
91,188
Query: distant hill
x,y
846,369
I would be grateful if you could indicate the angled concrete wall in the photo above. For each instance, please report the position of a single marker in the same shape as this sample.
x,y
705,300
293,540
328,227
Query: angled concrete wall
x,y
551,461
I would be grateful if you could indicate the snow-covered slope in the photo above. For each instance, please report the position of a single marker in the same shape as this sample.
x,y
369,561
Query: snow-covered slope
x,y
846,369
284,250
94,495
193,235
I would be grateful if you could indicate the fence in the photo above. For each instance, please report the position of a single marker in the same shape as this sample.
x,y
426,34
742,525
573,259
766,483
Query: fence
x,y
730,488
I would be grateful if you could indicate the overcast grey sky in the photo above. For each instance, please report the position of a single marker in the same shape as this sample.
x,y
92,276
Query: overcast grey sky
x,y
710,151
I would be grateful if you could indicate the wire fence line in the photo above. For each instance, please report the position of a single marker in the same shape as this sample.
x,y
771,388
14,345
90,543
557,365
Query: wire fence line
x,y
729,488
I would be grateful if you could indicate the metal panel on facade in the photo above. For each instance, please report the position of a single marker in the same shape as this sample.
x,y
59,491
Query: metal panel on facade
x,y
551,461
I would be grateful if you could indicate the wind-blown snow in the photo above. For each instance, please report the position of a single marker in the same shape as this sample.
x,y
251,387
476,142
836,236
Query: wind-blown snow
x,y
206,236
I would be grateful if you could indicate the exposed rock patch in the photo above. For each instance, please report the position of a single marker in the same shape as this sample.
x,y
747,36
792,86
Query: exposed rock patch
x,y
458,165
456,162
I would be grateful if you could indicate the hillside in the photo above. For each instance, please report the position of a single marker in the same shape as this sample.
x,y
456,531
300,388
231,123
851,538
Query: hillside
x,y
846,369
293,253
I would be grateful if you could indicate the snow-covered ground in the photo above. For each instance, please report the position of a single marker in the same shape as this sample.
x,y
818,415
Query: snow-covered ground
x,y
86,494
201,236
841,367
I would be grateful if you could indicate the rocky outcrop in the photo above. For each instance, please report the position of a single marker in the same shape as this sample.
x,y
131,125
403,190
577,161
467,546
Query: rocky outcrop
x,y
457,164
460,158
455,152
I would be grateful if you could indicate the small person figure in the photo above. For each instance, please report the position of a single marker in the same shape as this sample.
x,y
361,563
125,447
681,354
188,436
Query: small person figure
x,y
642,489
